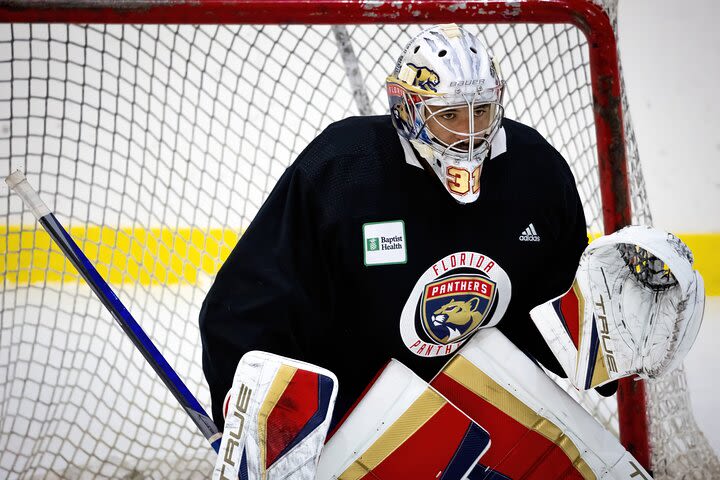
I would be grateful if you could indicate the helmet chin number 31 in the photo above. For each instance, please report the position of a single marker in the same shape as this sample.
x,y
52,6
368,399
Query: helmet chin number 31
x,y
459,180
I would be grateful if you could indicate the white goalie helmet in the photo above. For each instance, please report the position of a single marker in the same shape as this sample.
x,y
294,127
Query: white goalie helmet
x,y
445,97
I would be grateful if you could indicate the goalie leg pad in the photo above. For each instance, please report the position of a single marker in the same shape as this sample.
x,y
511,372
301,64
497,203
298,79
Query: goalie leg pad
x,y
402,428
537,430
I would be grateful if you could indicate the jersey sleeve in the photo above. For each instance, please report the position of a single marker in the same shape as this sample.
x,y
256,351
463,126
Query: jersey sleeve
x,y
273,280
570,240
567,235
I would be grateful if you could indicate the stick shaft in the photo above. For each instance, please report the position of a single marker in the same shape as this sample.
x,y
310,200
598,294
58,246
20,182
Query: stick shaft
x,y
124,318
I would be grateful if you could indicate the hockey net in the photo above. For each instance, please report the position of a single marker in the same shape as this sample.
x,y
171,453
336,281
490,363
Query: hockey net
x,y
156,142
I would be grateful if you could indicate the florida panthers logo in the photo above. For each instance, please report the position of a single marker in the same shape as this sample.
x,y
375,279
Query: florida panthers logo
x,y
401,116
458,317
425,78
454,307
455,297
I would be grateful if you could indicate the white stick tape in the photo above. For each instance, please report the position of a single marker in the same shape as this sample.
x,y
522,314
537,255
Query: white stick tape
x,y
19,184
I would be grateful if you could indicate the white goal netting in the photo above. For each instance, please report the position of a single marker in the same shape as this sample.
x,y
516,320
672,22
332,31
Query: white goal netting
x,y
155,145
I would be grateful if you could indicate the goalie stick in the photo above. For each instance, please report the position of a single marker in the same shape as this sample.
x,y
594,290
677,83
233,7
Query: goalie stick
x,y
19,184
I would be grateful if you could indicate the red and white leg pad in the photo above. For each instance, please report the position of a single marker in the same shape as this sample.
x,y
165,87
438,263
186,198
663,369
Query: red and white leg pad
x,y
403,428
537,431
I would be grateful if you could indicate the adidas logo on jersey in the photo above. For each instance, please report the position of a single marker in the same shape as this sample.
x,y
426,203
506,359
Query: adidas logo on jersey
x,y
529,234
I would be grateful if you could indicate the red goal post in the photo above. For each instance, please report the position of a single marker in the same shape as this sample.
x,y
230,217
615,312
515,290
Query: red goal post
x,y
589,16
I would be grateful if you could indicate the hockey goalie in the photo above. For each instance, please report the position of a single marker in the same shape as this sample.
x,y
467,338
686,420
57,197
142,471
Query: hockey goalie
x,y
491,412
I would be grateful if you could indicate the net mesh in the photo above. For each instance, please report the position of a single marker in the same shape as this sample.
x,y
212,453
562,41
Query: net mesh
x,y
155,146
679,449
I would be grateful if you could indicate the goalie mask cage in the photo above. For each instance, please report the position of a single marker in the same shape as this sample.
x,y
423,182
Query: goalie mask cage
x,y
156,141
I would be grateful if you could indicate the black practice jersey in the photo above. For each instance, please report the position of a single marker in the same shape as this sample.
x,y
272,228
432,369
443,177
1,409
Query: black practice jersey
x,y
358,256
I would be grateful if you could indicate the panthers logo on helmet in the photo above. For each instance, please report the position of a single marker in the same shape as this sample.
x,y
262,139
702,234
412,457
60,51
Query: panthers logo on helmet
x,y
456,296
454,307
425,78
401,116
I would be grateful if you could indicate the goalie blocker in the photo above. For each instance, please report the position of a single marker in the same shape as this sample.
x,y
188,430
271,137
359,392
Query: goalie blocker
x,y
635,307
277,414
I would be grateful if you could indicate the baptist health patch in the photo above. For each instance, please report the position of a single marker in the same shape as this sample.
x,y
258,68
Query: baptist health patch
x,y
456,296
384,243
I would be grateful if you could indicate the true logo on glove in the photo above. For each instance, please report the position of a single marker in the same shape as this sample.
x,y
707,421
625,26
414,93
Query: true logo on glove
x,y
605,335
234,440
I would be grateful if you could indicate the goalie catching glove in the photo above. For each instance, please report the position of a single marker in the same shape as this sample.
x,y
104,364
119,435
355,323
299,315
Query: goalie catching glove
x,y
635,308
